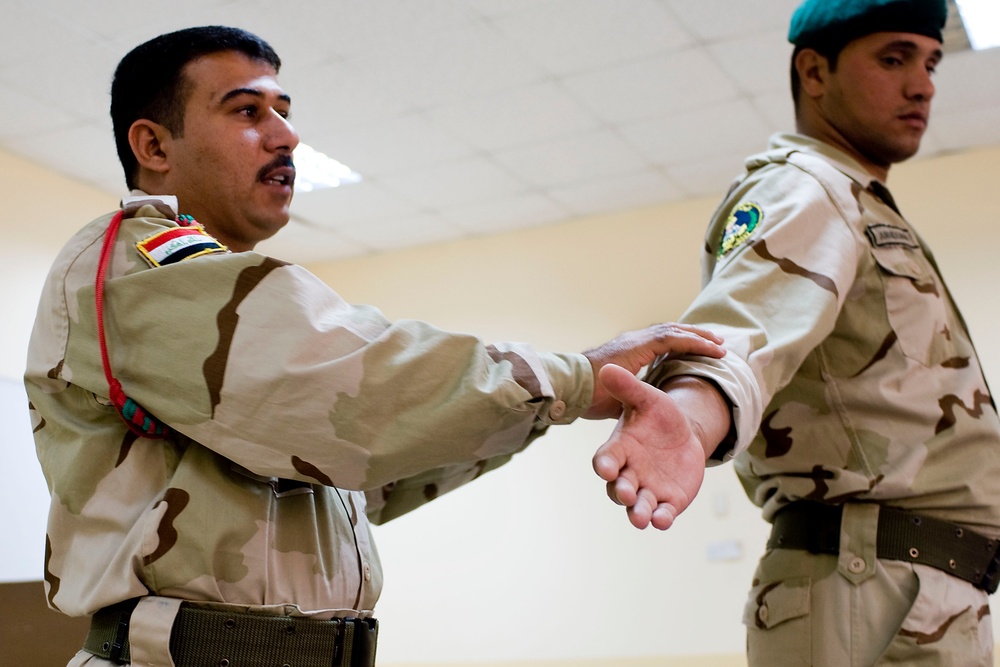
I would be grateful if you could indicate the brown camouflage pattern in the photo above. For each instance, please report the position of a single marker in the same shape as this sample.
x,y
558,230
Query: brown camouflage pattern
x,y
297,418
872,387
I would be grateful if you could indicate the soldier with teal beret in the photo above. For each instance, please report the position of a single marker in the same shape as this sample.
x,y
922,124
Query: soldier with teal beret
x,y
877,460
217,427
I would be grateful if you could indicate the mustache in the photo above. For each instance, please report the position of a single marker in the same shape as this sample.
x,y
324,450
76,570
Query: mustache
x,y
279,162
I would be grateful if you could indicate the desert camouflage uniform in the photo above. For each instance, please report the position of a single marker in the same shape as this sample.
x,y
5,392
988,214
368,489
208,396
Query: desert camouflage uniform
x,y
287,405
874,394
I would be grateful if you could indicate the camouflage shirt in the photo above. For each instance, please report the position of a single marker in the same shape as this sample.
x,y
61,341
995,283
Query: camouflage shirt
x,y
293,415
873,390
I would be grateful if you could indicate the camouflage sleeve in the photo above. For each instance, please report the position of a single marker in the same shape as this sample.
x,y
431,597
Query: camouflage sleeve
x,y
261,362
780,258
397,498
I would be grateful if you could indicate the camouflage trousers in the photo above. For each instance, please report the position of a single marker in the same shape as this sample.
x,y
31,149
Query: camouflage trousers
x,y
854,610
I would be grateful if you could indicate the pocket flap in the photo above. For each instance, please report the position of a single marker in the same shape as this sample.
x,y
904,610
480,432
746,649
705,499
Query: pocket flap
x,y
899,262
772,604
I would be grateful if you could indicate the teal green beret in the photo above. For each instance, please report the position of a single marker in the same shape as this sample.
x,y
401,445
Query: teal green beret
x,y
818,22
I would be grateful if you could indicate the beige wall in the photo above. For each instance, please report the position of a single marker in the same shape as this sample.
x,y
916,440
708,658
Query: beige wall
x,y
532,565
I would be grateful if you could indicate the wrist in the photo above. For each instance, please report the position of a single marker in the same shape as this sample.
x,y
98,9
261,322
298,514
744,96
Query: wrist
x,y
706,409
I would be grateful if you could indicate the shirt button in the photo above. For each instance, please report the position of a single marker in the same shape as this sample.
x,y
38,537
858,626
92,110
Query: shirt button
x,y
857,565
763,613
367,571
557,411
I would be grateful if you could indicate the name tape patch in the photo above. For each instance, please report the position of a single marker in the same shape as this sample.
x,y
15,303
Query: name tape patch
x,y
882,236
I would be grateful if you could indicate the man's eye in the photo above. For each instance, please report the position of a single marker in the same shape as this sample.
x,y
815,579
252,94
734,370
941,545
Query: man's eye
x,y
248,111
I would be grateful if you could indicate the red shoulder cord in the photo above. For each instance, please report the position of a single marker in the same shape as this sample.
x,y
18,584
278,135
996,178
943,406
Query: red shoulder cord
x,y
138,420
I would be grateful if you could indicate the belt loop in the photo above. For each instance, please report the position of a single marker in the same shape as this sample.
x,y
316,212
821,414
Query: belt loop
x,y
858,541
149,631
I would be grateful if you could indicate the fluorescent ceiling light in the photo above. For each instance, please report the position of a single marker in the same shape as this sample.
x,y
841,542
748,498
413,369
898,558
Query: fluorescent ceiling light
x,y
315,171
982,22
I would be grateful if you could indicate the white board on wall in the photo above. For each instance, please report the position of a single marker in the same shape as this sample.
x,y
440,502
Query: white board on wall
x,y
23,493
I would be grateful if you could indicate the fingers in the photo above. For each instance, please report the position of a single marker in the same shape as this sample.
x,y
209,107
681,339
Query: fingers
x,y
640,514
635,349
704,333
689,342
664,516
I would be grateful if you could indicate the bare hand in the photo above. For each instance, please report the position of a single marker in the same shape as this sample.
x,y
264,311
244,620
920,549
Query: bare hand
x,y
634,349
653,463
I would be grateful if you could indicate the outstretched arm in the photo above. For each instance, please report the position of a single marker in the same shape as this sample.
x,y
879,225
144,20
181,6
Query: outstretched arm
x,y
654,461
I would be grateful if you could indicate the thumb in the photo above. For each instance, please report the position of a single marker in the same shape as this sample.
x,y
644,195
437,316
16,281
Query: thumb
x,y
622,385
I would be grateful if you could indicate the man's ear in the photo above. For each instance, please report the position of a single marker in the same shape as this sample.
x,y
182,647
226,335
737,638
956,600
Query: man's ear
x,y
150,144
814,70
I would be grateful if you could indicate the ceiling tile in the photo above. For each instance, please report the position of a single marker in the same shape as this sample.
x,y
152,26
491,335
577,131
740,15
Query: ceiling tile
x,y
393,145
454,184
507,214
23,115
497,8
712,131
579,158
455,66
127,24
963,81
578,35
618,193
717,19
76,78
20,43
362,30
653,87
404,232
348,205
515,117
758,63
778,110
340,95
708,178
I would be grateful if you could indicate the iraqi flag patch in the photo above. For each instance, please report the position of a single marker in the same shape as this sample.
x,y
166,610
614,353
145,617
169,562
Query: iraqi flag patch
x,y
178,243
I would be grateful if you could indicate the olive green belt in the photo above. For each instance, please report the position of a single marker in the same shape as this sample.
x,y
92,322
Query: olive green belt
x,y
227,639
902,535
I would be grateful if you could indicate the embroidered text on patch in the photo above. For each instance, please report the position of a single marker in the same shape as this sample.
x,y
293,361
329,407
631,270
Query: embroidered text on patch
x,y
883,235
740,225
176,244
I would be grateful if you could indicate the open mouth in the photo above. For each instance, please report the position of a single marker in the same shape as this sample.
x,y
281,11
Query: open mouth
x,y
280,178
280,172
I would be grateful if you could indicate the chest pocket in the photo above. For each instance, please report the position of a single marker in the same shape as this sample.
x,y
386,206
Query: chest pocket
x,y
915,304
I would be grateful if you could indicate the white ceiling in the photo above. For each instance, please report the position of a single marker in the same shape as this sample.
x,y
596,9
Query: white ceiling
x,y
465,117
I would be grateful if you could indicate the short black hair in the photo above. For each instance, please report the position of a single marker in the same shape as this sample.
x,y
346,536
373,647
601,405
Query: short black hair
x,y
149,81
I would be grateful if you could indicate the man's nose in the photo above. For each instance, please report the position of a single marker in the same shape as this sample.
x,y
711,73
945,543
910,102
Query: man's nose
x,y
920,86
282,136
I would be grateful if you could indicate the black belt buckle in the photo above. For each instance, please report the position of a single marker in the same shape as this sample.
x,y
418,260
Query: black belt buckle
x,y
991,579
356,642
824,533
